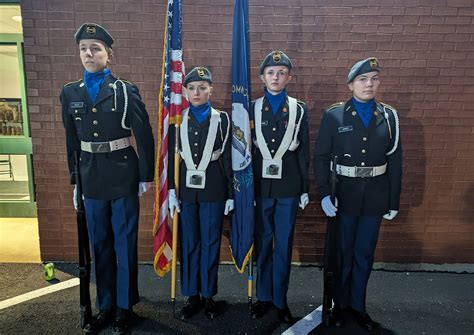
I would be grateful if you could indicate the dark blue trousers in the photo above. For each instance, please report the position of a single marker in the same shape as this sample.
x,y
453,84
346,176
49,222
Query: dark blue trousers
x,y
200,236
275,223
356,242
113,233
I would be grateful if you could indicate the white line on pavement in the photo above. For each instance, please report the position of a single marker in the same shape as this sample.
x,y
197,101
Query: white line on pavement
x,y
306,324
38,293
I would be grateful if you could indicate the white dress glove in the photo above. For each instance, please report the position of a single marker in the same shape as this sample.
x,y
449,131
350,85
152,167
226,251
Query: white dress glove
x,y
173,202
304,200
390,215
328,207
74,197
143,187
229,206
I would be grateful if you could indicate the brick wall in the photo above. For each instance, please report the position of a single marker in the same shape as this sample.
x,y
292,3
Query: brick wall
x,y
426,49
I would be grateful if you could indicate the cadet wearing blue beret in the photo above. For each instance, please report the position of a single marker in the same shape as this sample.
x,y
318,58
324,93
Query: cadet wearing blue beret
x,y
99,113
364,134
280,159
205,192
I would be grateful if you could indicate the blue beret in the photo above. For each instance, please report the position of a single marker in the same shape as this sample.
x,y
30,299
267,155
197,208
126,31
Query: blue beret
x,y
276,58
363,66
93,31
199,73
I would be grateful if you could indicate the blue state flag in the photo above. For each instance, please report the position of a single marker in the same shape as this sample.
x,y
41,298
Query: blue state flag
x,y
241,233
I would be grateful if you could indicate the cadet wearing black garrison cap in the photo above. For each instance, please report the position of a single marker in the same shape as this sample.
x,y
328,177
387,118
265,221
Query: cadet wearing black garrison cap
x,y
364,134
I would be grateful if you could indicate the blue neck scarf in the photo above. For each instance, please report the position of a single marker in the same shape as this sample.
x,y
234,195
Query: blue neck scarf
x,y
275,100
94,81
201,112
364,110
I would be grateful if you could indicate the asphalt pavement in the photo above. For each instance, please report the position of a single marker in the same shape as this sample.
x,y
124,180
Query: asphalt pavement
x,y
402,302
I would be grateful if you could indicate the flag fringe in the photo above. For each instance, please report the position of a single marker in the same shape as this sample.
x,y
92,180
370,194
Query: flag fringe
x,y
246,259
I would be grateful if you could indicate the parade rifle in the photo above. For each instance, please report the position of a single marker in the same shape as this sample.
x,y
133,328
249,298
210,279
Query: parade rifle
x,y
84,251
330,254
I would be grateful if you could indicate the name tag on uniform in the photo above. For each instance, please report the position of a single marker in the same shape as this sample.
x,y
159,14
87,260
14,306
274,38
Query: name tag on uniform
x,y
78,104
345,129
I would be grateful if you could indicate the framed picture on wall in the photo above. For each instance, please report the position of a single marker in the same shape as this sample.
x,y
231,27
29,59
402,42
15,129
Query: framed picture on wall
x,y
11,117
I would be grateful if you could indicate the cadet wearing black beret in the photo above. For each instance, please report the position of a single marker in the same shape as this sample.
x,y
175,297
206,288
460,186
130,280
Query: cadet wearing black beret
x,y
93,31
364,66
276,58
363,133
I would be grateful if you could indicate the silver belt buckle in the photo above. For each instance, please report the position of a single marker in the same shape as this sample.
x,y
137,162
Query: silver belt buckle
x,y
362,172
100,147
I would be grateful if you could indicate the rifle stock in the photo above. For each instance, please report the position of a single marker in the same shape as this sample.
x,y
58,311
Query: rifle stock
x,y
84,251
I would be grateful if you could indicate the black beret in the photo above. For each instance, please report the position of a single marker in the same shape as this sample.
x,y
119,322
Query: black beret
x,y
93,31
363,66
199,73
276,58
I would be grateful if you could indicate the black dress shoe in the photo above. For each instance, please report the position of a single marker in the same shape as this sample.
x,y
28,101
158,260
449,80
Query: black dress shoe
x,y
284,315
191,307
364,320
99,322
260,308
337,319
210,308
124,320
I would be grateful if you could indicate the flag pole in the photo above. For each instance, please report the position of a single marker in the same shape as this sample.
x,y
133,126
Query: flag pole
x,y
174,258
250,282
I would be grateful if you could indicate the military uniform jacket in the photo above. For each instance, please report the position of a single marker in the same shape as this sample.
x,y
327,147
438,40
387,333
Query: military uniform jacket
x,y
294,178
342,133
219,176
115,174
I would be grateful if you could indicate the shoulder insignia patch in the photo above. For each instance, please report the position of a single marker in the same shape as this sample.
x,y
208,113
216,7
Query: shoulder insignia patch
x,y
337,104
72,82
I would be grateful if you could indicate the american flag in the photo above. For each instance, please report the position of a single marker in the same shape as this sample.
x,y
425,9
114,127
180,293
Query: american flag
x,y
171,103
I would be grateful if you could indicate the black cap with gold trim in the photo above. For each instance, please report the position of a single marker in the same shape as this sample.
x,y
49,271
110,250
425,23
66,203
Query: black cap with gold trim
x,y
363,66
93,31
276,58
199,73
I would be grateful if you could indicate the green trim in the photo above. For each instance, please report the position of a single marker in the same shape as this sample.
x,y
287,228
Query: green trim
x,y
15,145
31,178
18,209
24,102
19,145
10,2
11,38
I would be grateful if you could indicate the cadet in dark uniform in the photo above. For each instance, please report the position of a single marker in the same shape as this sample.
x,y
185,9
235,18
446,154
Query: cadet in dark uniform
x,y
364,134
100,112
205,192
281,159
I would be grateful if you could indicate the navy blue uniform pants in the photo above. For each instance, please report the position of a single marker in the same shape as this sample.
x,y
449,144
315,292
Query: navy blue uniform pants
x,y
200,235
275,223
113,233
356,242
